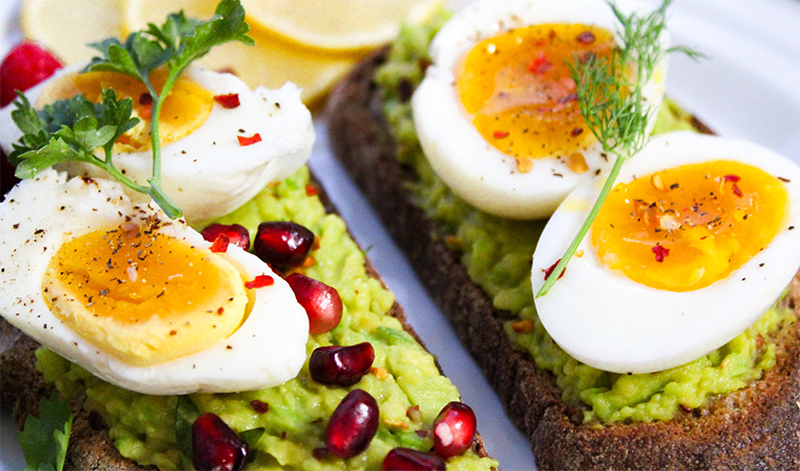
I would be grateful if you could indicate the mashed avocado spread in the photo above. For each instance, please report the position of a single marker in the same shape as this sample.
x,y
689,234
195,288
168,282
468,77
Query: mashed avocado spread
x,y
497,254
404,375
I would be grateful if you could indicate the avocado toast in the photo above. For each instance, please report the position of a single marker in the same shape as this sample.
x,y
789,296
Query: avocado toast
x,y
369,130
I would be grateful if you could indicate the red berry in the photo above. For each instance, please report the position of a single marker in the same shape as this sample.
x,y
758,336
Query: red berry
x,y
215,446
321,302
25,66
237,235
343,366
352,425
454,430
283,244
406,459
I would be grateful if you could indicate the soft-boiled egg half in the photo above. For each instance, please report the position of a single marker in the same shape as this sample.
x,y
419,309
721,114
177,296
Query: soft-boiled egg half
x,y
221,142
497,113
138,299
698,237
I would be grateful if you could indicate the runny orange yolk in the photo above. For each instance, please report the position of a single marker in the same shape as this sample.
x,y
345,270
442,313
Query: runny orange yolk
x,y
185,109
143,296
518,90
687,227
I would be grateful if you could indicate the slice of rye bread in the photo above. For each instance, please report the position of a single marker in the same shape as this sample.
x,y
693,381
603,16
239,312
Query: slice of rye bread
x,y
90,448
755,428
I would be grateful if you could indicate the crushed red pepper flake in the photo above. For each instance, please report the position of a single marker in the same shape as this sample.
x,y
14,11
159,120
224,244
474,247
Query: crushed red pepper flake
x,y
733,178
661,252
259,282
501,134
540,64
549,271
247,141
311,190
220,244
229,101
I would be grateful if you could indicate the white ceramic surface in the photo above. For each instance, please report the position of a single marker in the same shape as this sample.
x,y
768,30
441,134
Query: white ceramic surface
x,y
747,88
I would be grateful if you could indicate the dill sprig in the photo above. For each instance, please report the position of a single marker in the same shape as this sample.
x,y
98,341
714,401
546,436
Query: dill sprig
x,y
610,98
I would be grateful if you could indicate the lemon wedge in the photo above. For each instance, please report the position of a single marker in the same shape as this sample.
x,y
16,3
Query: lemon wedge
x,y
342,25
67,26
270,63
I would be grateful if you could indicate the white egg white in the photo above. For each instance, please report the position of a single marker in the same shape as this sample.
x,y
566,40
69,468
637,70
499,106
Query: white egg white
x,y
477,172
608,321
208,173
40,214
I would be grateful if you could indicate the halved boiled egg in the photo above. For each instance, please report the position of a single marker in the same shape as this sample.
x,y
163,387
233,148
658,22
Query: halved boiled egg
x,y
697,239
138,299
497,113
221,142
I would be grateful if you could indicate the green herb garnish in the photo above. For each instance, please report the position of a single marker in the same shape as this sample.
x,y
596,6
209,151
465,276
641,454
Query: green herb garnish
x,y
74,129
44,440
611,102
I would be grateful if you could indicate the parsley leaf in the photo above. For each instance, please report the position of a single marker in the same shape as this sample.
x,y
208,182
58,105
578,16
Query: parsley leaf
x,y
74,129
44,440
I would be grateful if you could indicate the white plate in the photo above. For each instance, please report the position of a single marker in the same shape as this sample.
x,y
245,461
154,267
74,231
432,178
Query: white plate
x,y
747,88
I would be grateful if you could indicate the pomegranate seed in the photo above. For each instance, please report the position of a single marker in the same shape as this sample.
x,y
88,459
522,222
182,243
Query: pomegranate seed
x,y
406,459
236,234
321,302
454,430
25,66
352,425
220,244
283,244
215,446
343,366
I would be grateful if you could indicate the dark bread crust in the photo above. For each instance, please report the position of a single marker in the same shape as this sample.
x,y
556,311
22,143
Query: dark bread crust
x,y
90,448
757,428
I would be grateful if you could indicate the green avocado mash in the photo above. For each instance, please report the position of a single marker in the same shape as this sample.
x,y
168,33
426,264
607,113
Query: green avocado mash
x,y
497,254
404,375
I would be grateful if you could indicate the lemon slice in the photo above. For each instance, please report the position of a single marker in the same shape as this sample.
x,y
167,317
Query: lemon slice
x,y
270,63
67,26
341,25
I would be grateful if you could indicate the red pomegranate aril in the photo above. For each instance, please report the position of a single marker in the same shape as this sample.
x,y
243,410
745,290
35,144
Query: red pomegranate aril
x,y
25,66
343,366
352,425
321,302
215,446
283,244
406,459
236,234
454,430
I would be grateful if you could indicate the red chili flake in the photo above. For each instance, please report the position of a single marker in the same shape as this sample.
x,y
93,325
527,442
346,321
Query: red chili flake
x,y
576,132
587,37
146,102
246,141
737,191
704,238
660,252
228,101
552,267
260,282
501,134
540,64
733,178
220,244
311,190
259,406
786,180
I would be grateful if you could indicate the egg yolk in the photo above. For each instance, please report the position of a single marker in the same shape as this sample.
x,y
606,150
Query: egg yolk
x,y
686,227
184,110
143,296
518,90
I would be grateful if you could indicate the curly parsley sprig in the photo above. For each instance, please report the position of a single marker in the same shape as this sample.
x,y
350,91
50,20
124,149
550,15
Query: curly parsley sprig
x,y
73,129
611,102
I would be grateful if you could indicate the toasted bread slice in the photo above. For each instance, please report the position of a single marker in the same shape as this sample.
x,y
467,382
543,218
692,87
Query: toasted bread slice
x,y
90,447
753,428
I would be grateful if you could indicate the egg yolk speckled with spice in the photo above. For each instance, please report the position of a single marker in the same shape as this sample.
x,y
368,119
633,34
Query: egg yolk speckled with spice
x,y
519,92
143,296
184,110
687,227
